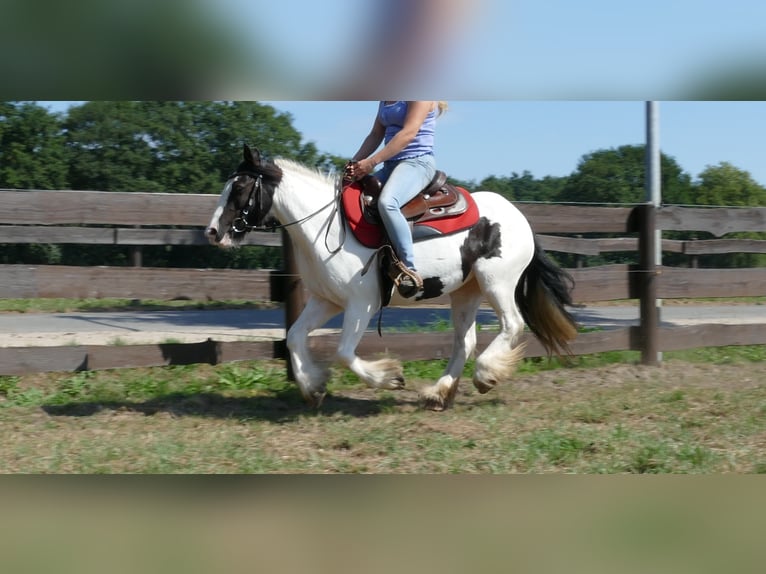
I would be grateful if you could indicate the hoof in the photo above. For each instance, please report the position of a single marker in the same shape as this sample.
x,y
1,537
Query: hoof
x,y
314,399
432,404
483,387
433,400
318,398
397,383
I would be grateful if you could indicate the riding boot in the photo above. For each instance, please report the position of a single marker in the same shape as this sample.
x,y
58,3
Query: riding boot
x,y
407,282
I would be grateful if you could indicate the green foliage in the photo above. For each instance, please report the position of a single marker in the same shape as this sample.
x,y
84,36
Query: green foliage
x,y
32,148
236,378
31,253
525,187
725,184
185,147
617,176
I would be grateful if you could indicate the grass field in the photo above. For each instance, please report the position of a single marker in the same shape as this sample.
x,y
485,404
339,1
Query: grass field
x,y
114,304
702,411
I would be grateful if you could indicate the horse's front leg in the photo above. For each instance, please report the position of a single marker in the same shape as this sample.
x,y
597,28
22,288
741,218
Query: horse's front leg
x,y
310,376
465,304
383,373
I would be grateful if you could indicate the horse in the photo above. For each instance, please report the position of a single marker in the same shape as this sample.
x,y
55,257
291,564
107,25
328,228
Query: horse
x,y
497,259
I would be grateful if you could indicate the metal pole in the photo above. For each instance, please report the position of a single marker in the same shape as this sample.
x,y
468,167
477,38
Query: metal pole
x,y
653,187
653,191
649,312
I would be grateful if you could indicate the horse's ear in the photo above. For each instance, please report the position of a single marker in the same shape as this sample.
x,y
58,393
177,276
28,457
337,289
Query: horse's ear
x,y
251,156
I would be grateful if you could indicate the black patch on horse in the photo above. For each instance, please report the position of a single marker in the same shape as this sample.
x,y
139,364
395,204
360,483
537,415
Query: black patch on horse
x,y
433,287
484,240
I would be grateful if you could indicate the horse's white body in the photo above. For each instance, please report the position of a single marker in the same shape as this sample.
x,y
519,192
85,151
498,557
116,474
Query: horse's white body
x,y
336,283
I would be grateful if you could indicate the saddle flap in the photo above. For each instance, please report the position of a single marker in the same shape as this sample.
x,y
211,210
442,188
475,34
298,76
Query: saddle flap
x,y
435,204
438,199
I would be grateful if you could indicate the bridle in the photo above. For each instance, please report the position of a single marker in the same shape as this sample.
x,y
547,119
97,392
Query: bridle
x,y
242,224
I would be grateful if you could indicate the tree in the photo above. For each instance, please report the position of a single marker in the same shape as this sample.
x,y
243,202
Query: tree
x,y
617,176
187,147
524,187
32,151
111,145
724,184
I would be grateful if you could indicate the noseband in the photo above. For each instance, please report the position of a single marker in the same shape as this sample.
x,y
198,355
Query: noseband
x,y
242,223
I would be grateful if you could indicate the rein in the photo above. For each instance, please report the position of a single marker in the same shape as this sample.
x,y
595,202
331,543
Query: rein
x,y
242,225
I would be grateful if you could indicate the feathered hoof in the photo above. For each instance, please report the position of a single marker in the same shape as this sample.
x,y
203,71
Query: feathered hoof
x,y
433,403
483,386
437,399
397,383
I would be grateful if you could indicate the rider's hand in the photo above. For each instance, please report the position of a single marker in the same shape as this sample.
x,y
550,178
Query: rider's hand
x,y
348,171
355,170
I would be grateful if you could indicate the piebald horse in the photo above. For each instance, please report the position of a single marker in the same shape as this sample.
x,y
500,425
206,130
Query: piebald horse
x,y
498,259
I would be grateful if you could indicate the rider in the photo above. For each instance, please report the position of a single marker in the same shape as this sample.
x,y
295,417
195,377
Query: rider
x,y
407,131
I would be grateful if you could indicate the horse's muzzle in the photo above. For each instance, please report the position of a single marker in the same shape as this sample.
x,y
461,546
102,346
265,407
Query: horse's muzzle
x,y
212,235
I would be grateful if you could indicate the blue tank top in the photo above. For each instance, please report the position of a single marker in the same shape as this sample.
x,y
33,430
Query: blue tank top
x,y
392,117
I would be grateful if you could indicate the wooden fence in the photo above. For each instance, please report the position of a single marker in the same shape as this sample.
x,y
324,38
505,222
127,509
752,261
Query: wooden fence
x,y
141,219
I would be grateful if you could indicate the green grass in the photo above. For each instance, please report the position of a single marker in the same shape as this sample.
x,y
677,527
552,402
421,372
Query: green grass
x,y
114,304
721,355
600,414
53,305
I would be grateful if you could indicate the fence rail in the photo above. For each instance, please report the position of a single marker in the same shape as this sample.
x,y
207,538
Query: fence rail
x,y
138,219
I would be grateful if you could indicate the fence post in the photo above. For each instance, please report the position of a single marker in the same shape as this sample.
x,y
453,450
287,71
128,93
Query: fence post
x,y
292,288
647,269
136,253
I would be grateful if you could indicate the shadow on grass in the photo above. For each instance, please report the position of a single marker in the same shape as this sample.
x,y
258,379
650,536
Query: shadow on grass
x,y
281,406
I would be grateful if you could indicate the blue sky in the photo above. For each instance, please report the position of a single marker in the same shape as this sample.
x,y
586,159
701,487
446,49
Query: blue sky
x,y
476,139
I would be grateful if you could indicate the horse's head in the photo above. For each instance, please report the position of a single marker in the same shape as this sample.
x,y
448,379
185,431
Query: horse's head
x,y
246,200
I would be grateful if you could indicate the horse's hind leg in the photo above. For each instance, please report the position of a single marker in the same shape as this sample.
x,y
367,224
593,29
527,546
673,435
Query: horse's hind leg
x,y
465,305
499,360
310,376
383,373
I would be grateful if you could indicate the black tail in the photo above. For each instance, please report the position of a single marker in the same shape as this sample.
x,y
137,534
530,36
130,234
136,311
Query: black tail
x,y
541,294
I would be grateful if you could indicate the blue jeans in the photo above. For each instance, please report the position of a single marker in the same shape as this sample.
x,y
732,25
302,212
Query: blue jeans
x,y
402,180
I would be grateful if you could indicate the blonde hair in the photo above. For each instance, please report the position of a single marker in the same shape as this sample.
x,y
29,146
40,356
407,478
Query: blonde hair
x,y
442,107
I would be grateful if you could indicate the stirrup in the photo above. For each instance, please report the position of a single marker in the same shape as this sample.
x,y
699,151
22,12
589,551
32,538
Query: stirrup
x,y
408,282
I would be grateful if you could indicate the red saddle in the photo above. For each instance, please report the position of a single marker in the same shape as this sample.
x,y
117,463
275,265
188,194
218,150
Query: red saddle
x,y
440,209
